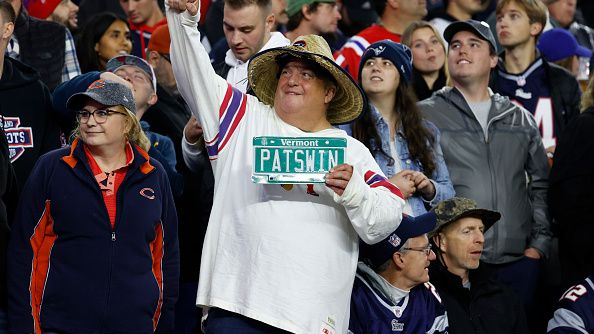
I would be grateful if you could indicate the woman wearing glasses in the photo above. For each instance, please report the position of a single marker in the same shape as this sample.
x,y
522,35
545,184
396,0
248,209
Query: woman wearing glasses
x,y
94,243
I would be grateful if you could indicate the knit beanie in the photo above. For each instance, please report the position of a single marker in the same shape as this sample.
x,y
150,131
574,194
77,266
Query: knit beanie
x,y
42,9
399,54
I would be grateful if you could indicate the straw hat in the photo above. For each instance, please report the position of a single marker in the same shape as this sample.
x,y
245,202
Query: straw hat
x,y
263,71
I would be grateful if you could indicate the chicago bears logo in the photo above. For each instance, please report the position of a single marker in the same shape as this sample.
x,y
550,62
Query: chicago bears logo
x,y
97,84
148,193
19,138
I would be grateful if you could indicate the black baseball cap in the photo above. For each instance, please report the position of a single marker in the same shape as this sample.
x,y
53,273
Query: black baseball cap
x,y
479,28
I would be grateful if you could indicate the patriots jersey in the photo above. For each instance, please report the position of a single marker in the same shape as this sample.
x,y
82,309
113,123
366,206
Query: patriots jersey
x,y
530,90
575,311
421,311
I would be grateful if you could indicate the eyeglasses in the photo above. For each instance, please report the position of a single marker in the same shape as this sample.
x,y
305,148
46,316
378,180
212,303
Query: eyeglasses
x,y
100,115
426,250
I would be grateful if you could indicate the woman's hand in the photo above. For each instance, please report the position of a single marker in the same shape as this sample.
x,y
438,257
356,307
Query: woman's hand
x,y
424,185
403,180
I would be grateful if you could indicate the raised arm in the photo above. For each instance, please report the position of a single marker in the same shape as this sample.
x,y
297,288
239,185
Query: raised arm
x,y
200,86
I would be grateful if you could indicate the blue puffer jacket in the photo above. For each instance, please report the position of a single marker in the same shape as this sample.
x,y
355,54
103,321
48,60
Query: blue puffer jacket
x,y
71,272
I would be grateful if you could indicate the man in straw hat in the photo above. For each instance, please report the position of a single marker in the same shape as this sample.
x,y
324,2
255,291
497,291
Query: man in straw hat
x,y
474,300
280,258
392,290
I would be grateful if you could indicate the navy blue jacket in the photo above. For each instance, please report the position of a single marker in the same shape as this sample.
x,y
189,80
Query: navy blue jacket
x,y
71,272
161,146
419,312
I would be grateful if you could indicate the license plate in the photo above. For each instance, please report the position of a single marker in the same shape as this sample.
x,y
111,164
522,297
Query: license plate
x,y
288,160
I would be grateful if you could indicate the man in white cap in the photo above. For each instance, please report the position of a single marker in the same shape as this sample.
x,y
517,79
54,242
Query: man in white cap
x,y
280,258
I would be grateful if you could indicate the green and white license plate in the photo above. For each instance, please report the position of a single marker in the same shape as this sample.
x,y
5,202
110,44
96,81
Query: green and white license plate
x,y
288,160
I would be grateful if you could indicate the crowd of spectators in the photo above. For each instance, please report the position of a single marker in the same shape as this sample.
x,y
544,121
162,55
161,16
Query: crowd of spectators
x,y
467,188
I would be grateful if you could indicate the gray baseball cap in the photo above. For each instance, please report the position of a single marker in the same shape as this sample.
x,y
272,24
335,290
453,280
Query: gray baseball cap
x,y
479,28
108,93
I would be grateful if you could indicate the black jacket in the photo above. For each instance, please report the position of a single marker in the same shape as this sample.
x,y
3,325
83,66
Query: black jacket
x,y
486,308
169,117
571,197
41,46
564,88
422,91
26,106
8,200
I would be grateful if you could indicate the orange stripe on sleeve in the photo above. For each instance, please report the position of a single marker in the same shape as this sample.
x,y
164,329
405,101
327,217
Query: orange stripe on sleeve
x,y
42,241
157,254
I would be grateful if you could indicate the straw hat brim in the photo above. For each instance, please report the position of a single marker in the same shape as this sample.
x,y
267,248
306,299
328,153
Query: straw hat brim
x,y
345,107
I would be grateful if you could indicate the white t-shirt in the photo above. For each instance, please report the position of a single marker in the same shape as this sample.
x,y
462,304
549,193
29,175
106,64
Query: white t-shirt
x,y
283,257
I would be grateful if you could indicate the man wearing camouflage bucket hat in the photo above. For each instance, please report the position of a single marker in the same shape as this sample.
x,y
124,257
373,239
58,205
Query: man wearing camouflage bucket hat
x,y
474,300
280,258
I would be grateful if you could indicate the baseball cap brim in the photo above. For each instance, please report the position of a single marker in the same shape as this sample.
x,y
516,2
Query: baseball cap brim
x,y
79,100
412,227
583,52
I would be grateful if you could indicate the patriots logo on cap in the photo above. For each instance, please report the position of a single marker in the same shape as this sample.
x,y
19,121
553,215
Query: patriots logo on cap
x,y
378,51
394,240
300,43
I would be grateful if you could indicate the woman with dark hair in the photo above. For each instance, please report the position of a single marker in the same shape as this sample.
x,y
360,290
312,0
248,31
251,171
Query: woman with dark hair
x,y
405,146
105,36
429,72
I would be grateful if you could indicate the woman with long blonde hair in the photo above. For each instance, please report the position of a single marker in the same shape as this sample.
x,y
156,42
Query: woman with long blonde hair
x,y
429,54
94,244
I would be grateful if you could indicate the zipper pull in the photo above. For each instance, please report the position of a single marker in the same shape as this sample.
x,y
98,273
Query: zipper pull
x,y
113,238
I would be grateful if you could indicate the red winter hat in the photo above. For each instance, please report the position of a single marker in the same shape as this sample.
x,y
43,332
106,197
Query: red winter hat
x,y
160,40
42,9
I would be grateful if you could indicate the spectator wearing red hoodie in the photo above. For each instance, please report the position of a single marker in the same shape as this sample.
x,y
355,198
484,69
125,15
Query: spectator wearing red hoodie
x,y
144,16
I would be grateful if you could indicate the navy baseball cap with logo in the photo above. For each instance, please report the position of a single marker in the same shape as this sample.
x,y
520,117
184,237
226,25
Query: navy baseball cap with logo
x,y
410,227
479,28
106,92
